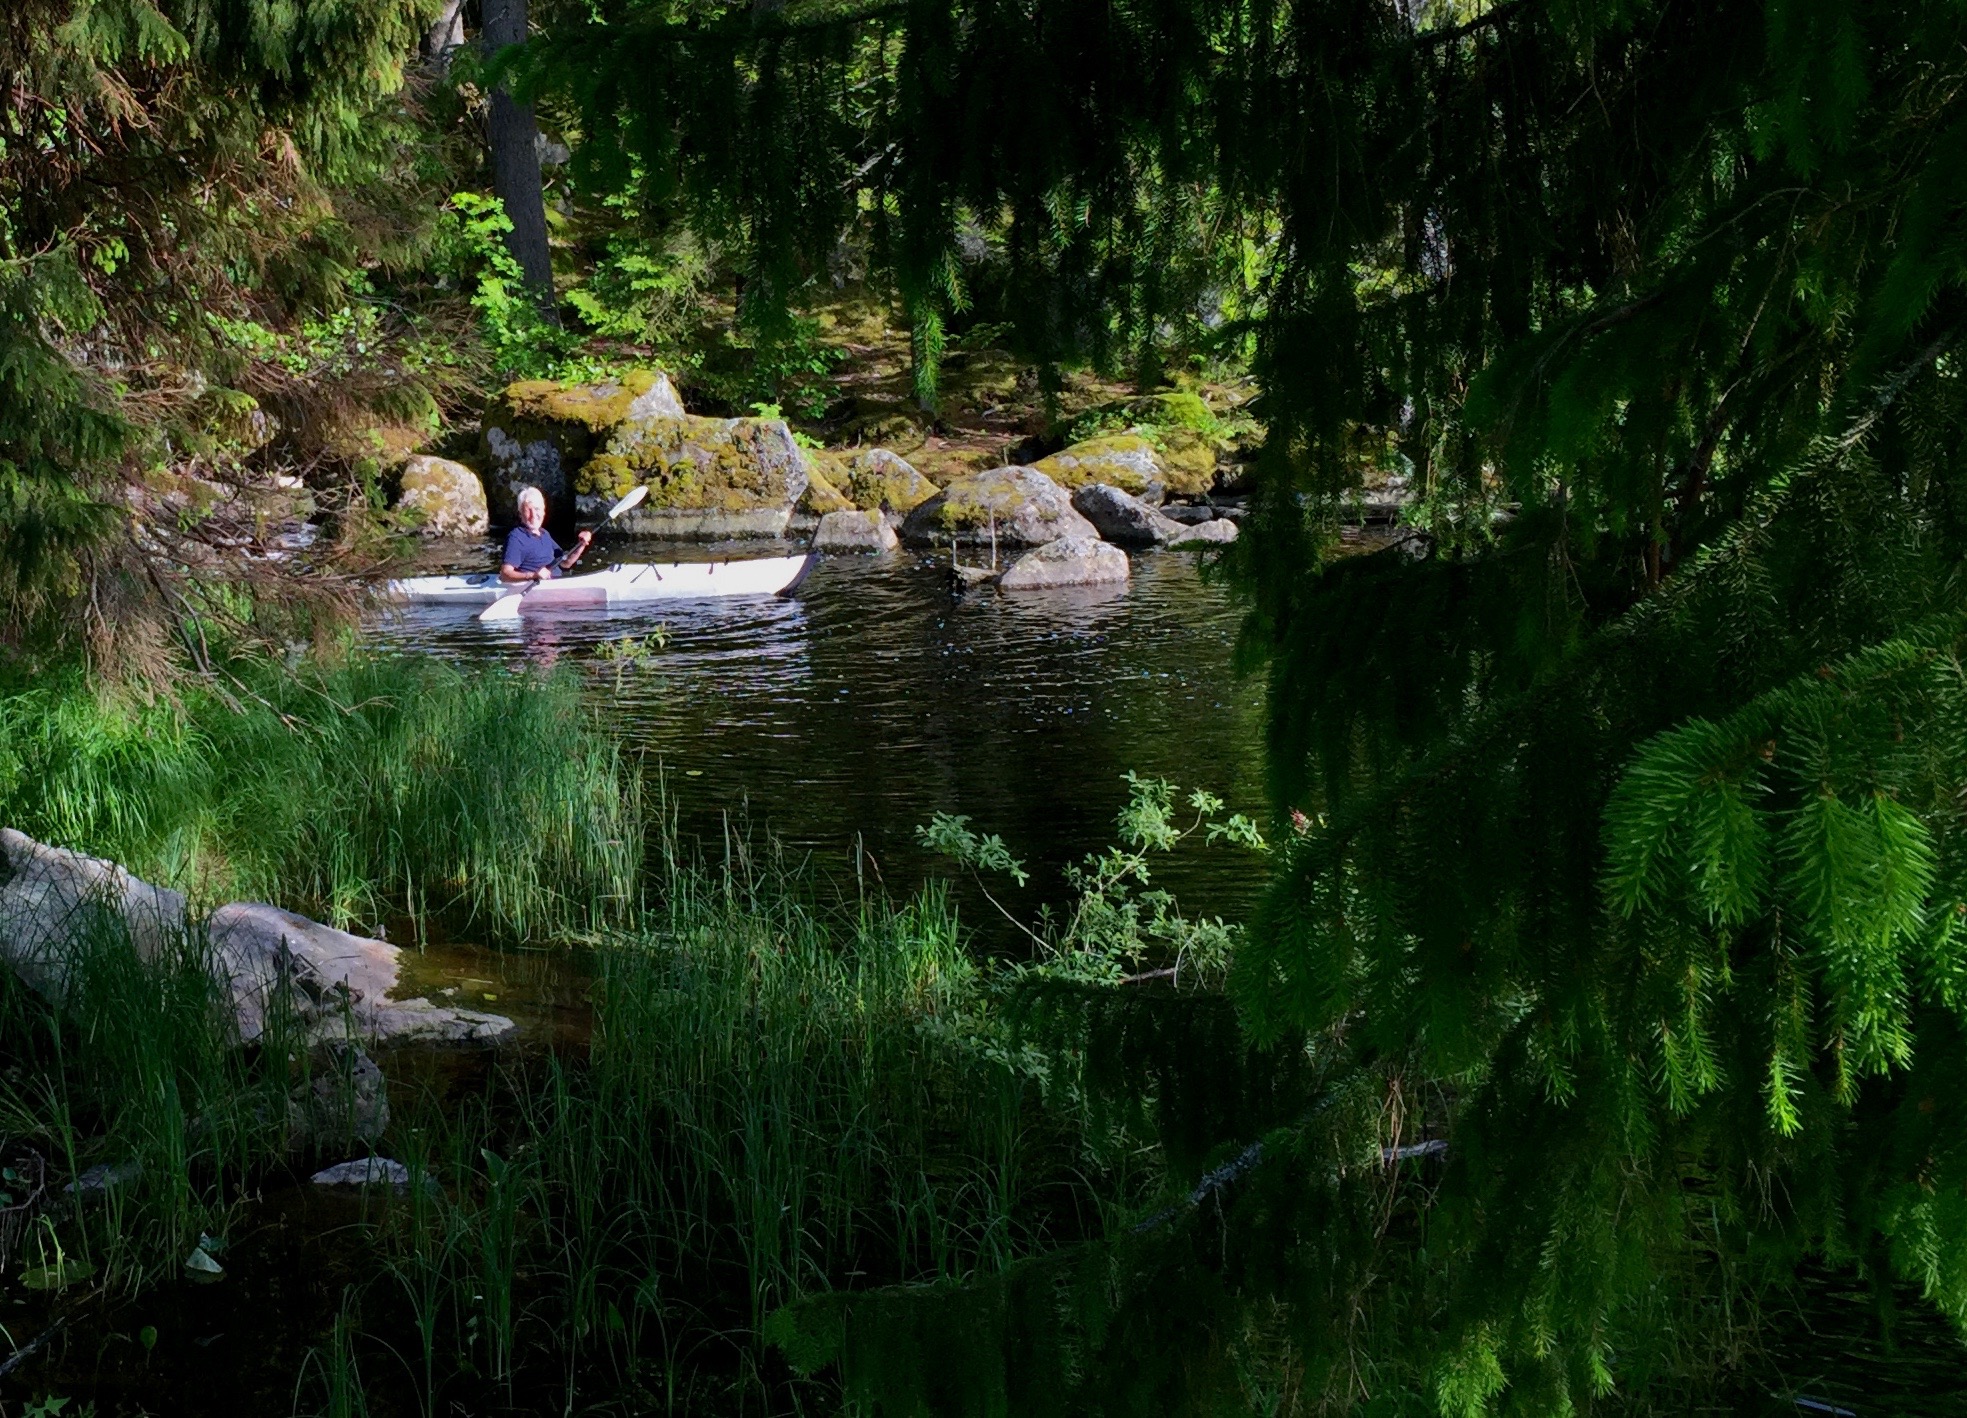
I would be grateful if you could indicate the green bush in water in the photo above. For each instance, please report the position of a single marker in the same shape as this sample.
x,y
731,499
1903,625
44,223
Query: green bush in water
x,y
347,789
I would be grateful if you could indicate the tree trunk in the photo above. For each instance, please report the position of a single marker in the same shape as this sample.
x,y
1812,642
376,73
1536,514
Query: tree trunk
x,y
515,142
446,34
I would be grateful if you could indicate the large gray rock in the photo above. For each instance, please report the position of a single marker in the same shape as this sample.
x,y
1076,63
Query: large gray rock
x,y
1122,518
1017,507
445,498
53,901
855,531
1069,561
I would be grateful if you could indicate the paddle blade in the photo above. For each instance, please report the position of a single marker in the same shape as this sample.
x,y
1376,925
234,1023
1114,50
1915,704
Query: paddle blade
x,y
504,608
633,500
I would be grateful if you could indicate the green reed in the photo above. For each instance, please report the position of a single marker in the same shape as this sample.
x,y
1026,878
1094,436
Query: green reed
x,y
379,783
139,1069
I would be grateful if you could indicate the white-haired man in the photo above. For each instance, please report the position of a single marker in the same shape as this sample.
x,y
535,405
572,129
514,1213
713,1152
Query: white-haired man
x,y
531,554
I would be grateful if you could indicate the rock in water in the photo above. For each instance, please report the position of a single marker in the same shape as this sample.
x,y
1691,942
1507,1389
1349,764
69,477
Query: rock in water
x,y
855,531
345,1102
543,431
707,478
824,476
258,948
364,1172
1207,534
56,903
1122,519
1023,506
1069,561
51,900
446,498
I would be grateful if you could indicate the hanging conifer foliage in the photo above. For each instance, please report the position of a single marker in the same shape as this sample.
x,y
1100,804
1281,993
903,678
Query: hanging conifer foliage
x,y
1630,789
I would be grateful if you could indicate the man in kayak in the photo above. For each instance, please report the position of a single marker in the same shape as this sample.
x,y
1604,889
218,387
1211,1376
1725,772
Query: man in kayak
x,y
531,554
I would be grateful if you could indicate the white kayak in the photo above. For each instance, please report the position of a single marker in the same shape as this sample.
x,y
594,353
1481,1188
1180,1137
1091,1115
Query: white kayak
x,y
627,584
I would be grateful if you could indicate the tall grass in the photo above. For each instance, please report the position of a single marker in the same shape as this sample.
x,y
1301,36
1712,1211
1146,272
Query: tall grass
x,y
775,1100
349,789
141,1072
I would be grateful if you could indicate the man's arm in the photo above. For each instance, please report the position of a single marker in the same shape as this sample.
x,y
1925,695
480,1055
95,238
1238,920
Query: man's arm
x,y
580,545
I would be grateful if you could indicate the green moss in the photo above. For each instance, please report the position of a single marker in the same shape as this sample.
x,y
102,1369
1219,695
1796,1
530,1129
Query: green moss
x,y
594,407
1128,461
1179,408
1188,461
730,465
878,480
824,476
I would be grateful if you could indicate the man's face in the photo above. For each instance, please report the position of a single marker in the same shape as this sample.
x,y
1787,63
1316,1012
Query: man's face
x,y
531,515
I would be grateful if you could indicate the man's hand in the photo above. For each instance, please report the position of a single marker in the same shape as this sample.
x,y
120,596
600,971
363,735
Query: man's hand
x,y
545,573
583,539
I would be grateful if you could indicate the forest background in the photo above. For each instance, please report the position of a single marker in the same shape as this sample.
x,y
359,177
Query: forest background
x,y
1620,809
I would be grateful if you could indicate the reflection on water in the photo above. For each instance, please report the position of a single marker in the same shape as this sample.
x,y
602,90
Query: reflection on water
x,y
851,713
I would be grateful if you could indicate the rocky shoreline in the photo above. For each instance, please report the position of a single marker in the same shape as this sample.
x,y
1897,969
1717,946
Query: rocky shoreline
x,y
1145,487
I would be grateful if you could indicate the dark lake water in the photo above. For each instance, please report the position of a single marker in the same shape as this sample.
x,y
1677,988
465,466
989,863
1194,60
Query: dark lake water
x,y
837,721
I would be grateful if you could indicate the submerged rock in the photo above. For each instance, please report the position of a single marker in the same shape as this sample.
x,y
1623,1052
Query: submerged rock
x,y
364,1172
1069,561
855,531
104,1177
1020,507
445,498
1123,519
56,904
345,1102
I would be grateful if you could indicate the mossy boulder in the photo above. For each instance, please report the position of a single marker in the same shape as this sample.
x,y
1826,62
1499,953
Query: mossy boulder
x,y
1128,461
1177,408
706,477
1148,463
826,473
540,432
442,498
1018,506
1188,460
880,481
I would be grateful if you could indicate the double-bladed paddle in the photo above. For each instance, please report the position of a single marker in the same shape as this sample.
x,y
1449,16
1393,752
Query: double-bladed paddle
x,y
506,607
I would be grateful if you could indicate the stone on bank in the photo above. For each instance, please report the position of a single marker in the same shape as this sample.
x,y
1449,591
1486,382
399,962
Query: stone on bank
x,y
445,499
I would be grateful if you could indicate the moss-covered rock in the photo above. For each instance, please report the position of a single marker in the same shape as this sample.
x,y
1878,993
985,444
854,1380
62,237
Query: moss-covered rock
x,y
540,432
880,481
443,498
726,465
1128,461
1178,408
1018,506
1188,460
826,473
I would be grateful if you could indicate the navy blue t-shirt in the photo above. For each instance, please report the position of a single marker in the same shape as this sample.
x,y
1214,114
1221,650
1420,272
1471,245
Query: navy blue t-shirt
x,y
529,551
